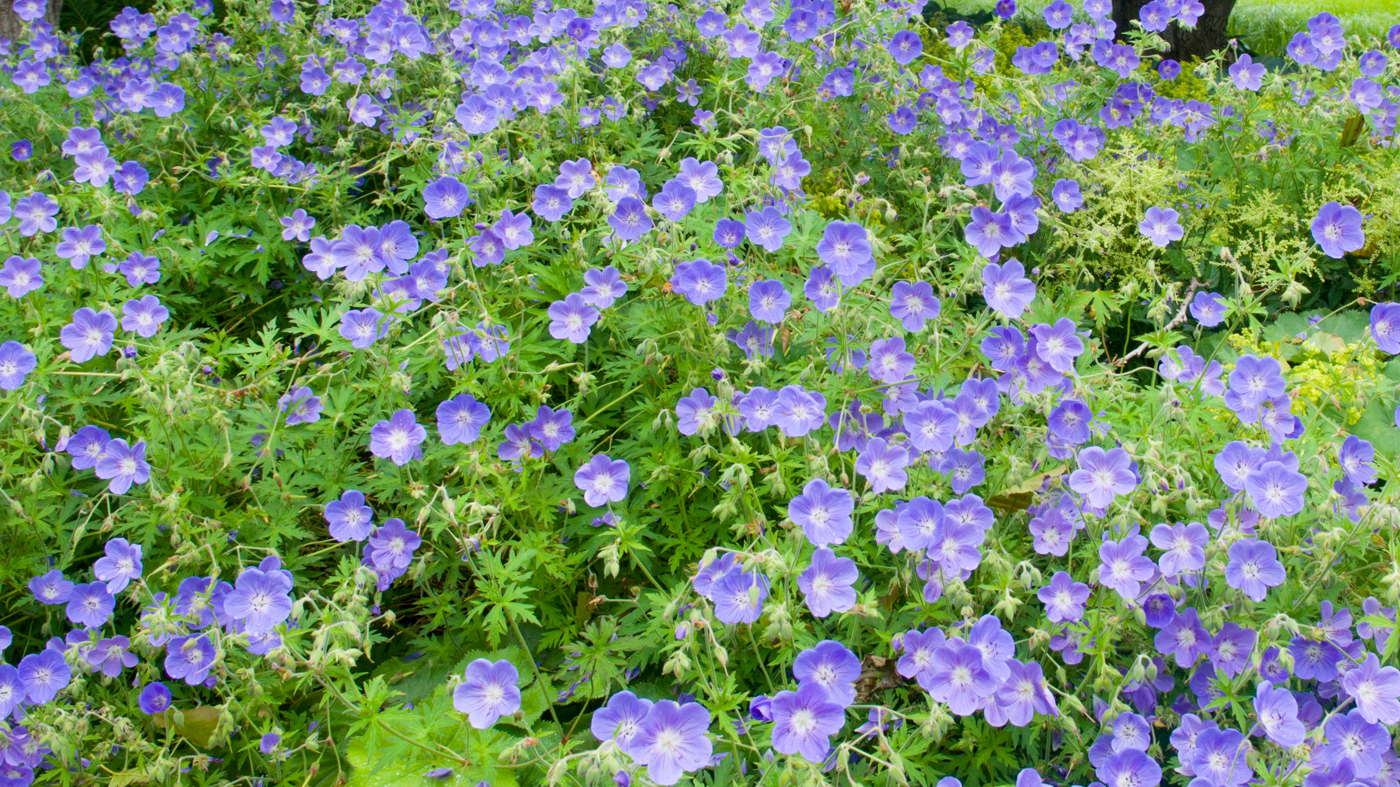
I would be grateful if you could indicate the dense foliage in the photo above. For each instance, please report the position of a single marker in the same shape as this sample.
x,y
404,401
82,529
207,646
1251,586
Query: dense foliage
x,y
635,393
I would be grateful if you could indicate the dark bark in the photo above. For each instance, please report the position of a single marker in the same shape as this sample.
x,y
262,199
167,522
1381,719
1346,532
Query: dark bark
x,y
12,28
1201,42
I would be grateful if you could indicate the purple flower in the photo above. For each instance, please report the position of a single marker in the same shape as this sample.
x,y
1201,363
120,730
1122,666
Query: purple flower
x,y
1160,226
905,47
989,232
620,720
363,327
1058,345
36,214
445,198
675,200
119,565
696,413
1063,598
1183,638
603,480
1253,567
551,202
889,362
552,428
390,548
1247,74
155,698
79,246
1123,567
1353,741
1208,308
302,406
629,220
297,226
1375,690
768,301
514,230
260,599
349,518
739,595
51,588
109,655
700,281
803,722
822,289
572,318
21,276
189,658
823,513
1051,533
883,465
672,741
1184,547
144,316
1130,768
826,583
1231,648
957,675
16,362
932,426
44,675
846,248
1277,712
1007,289
398,437
603,287
488,691
122,465
767,228
1102,476
913,304
90,605
576,177
729,233
89,334
1012,176
1385,327
460,419
799,411
1067,196
832,668
1276,490
1336,228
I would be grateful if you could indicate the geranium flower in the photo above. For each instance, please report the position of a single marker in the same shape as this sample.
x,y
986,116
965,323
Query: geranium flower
x,y
823,513
672,741
603,480
349,518
826,583
398,438
488,691
803,722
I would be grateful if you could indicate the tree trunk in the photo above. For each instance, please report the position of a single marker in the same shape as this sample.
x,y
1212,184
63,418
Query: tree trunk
x,y
12,27
1200,42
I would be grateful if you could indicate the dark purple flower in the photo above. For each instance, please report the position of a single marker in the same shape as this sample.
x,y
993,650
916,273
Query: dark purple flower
x,y
155,698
